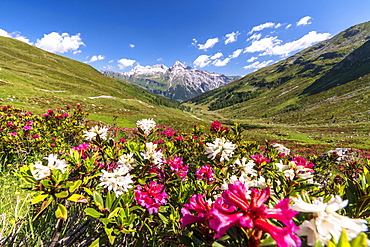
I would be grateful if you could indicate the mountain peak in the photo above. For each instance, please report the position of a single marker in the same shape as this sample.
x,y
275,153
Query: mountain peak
x,y
179,65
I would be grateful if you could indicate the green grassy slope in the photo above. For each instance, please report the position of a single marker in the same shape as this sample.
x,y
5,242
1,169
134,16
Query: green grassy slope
x,y
34,79
326,83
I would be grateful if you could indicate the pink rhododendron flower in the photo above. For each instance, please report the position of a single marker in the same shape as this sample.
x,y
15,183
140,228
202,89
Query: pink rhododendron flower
x,y
300,161
259,159
217,126
201,207
151,196
239,210
27,127
206,173
245,208
177,166
13,133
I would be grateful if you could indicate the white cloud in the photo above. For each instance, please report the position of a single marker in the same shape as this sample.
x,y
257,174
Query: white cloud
x,y
4,33
15,35
231,37
111,61
217,55
262,45
288,26
96,58
258,65
131,45
202,61
209,44
252,59
304,42
124,62
60,43
236,53
264,26
221,63
272,45
109,67
304,21
255,36
278,25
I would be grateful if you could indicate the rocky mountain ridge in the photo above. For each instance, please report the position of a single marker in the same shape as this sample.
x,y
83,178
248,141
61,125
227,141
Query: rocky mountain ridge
x,y
178,82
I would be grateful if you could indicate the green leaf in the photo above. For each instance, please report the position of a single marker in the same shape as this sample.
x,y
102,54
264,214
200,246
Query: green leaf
x,y
114,213
318,244
95,243
360,240
343,240
75,185
215,244
62,194
88,191
39,198
268,241
61,212
363,204
98,199
109,200
163,218
78,198
109,232
92,212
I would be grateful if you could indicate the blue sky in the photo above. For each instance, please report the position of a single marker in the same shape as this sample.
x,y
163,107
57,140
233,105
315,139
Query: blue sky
x,y
233,37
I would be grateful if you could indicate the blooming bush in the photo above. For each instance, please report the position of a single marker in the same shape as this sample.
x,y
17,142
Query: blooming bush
x,y
159,187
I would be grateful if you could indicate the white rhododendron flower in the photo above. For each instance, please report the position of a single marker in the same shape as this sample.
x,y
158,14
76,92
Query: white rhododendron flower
x,y
41,172
54,163
292,170
222,146
116,181
96,130
247,167
152,154
326,223
119,180
146,125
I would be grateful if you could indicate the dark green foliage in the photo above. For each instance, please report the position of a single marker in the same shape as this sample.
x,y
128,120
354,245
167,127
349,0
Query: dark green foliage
x,y
232,99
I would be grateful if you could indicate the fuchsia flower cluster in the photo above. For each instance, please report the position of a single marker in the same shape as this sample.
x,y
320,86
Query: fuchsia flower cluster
x,y
177,166
245,208
151,196
206,173
217,127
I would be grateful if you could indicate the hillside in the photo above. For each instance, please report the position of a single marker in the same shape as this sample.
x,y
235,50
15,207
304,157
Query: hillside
x,y
179,82
36,80
325,83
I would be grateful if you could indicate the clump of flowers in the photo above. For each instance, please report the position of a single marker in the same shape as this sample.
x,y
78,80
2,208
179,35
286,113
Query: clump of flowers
x,y
41,171
119,180
151,196
217,127
325,223
205,172
243,207
220,146
150,153
177,166
95,131
146,125
297,168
